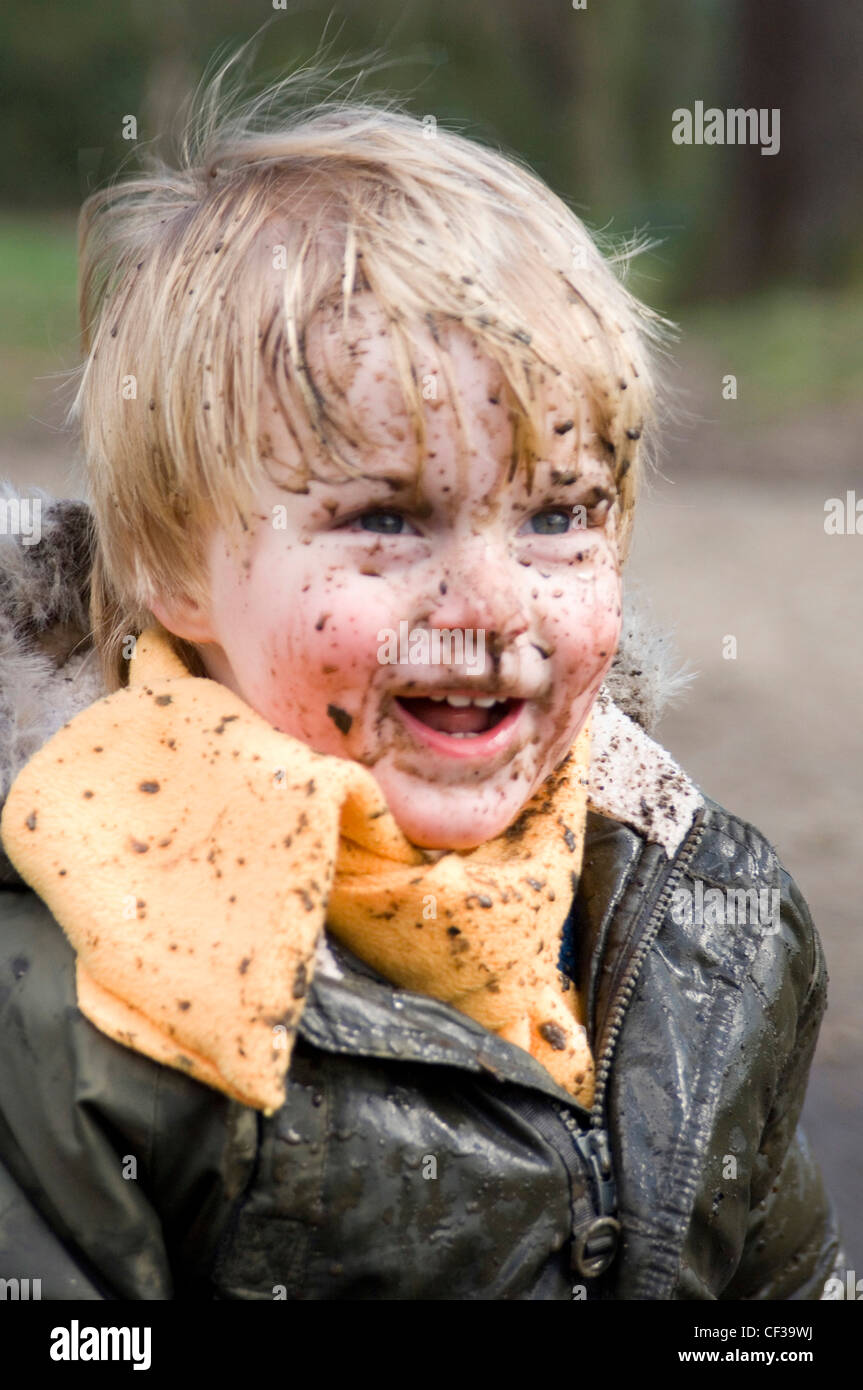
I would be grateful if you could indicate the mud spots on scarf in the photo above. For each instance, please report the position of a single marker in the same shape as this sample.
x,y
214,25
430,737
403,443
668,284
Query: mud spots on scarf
x,y
568,837
553,1034
481,899
301,982
458,945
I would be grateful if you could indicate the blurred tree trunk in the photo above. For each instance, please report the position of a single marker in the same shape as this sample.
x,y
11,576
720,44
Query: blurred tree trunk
x,y
790,216
170,73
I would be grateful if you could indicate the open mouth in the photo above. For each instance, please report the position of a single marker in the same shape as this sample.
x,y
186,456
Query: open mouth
x,y
459,716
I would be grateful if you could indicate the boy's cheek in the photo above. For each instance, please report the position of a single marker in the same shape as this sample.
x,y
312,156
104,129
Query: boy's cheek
x,y
589,637
310,675
336,638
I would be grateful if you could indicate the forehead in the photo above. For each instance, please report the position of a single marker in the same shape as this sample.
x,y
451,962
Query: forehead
x,y
466,403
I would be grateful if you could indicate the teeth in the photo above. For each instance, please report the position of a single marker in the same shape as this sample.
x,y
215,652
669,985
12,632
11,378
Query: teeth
x,y
462,701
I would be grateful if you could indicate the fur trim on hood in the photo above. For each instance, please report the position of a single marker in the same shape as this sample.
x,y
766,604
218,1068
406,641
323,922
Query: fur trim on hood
x,y
49,670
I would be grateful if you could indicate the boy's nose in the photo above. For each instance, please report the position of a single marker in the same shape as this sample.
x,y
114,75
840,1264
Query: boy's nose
x,y
478,593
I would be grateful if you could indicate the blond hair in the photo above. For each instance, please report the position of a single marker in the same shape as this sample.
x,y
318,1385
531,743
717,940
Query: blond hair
x,y
198,282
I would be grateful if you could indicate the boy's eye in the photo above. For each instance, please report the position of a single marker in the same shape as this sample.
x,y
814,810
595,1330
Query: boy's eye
x,y
554,521
559,521
550,521
385,523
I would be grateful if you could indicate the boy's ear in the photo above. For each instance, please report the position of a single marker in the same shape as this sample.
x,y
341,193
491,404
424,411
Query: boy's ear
x,y
184,617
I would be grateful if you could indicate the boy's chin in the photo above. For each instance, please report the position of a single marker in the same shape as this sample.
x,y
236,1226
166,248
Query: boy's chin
x,y
450,830
441,817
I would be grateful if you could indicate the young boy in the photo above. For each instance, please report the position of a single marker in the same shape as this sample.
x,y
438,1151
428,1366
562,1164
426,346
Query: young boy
x,y
353,928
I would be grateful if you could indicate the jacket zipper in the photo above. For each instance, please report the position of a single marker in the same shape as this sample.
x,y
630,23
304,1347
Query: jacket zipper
x,y
595,1234
625,990
592,1144
593,1229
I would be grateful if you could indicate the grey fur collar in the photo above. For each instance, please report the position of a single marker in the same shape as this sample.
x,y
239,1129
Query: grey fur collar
x,y
49,671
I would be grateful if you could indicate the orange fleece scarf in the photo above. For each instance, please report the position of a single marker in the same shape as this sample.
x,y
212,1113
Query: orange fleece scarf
x,y
192,854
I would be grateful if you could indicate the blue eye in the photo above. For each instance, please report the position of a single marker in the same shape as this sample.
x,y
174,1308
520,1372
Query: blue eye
x,y
393,522
550,514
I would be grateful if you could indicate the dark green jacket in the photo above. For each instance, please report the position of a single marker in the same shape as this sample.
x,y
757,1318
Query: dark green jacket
x,y
417,1155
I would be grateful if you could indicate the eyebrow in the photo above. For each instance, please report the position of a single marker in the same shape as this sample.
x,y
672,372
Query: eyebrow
x,y
394,481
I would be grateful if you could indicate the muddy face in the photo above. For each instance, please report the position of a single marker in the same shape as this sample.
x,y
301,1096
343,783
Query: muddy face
x,y
323,618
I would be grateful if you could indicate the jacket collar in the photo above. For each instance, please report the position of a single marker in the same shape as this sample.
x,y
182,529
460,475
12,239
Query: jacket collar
x,y
350,1007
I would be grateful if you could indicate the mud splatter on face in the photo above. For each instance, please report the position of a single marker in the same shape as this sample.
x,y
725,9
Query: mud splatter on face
x,y
316,634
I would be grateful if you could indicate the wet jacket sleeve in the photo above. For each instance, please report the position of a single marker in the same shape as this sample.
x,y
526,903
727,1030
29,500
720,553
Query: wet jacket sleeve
x,y
33,1261
792,1244
98,1199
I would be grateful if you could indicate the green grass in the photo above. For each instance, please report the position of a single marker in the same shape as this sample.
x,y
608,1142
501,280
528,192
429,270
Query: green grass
x,y
38,314
791,349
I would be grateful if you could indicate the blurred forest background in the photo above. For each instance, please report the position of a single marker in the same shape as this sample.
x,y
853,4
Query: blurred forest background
x,y
760,263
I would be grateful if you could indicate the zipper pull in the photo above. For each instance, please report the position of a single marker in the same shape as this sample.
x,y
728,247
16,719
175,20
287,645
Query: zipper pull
x,y
596,1152
595,1245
